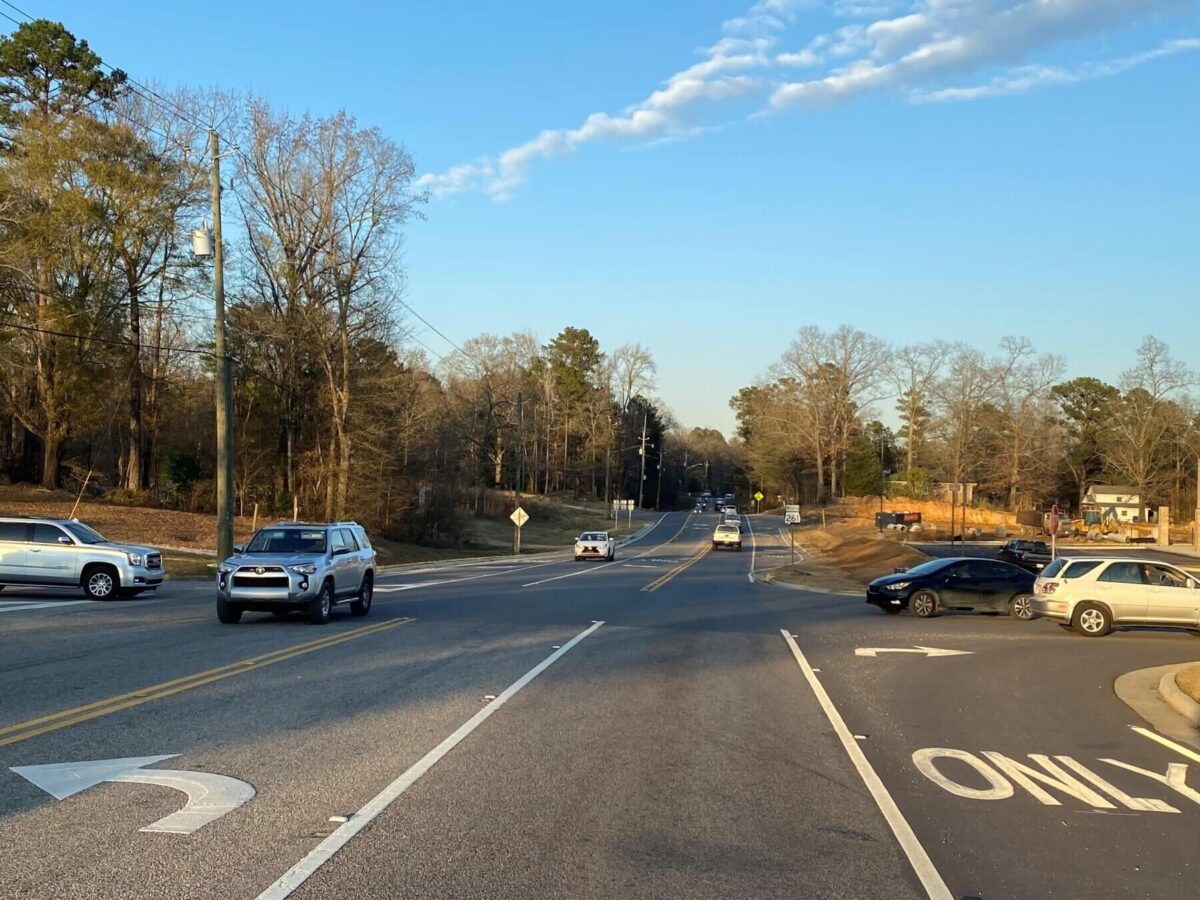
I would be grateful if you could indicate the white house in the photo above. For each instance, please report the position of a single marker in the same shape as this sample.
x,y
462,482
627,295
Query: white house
x,y
1117,501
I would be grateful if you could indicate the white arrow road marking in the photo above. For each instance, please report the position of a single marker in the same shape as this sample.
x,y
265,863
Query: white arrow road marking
x,y
924,651
14,605
210,796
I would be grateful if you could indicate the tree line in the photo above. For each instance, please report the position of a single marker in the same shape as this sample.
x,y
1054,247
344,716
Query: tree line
x,y
1009,421
106,354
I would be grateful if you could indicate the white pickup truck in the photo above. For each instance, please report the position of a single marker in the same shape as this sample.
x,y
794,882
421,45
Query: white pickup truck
x,y
595,545
727,535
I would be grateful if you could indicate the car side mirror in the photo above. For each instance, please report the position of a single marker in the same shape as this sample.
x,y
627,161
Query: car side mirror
x,y
239,549
63,539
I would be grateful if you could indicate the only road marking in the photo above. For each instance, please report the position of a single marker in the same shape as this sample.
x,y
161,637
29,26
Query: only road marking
x,y
22,731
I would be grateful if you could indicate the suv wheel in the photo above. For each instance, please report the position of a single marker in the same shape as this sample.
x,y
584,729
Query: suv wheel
x,y
1092,620
362,605
321,606
100,582
228,613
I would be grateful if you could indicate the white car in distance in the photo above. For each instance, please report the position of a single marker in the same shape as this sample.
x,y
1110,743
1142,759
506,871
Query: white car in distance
x,y
595,545
1092,594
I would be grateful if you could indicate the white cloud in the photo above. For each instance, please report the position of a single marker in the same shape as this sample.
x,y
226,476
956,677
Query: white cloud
x,y
1027,78
948,37
910,48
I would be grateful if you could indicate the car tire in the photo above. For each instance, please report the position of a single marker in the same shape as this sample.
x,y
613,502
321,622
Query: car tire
x,y
320,608
228,613
1021,607
923,604
101,582
366,592
1091,620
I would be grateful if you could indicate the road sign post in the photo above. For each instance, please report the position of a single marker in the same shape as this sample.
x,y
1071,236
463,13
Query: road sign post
x,y
519,517
1054,520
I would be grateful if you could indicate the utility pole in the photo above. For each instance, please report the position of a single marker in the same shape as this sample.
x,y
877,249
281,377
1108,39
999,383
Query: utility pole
x,y
608,463
658,485
520,467
224,372
642,481
1196,520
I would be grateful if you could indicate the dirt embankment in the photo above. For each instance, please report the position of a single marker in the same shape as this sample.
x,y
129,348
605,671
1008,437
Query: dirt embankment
x,y
126,524
845,556
935,514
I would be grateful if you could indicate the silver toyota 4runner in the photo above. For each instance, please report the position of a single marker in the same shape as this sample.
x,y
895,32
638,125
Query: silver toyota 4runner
x,y
37,552
298,566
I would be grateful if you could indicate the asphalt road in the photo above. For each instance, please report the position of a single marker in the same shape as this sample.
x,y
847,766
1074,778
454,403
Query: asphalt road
x,y
543,728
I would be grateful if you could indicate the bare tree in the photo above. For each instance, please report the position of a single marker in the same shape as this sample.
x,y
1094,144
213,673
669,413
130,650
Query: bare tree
x,y
914,369
1146,418
632,371
1022,382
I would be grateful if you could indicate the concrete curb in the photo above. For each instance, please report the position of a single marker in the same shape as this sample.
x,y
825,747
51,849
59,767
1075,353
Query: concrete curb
x,y
1176,698
1140,690
769,578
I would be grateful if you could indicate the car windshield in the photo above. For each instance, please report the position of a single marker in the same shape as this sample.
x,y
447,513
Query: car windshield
x,y
84,534
593,536
288,540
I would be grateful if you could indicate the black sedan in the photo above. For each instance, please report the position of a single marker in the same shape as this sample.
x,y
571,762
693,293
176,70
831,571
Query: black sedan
x,y
980,584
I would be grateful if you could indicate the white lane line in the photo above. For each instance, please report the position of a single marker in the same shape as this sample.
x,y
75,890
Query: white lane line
x,y
930,879
1167,742
591,568
14,606
324,851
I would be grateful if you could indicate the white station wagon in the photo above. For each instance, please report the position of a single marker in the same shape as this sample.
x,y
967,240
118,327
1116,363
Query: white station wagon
x,y
1093,594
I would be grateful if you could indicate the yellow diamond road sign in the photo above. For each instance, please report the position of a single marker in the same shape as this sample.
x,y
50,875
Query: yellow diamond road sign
x,y
519,517
759,496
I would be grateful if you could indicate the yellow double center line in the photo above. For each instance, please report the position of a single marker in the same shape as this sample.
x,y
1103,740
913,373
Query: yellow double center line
x,y
683,566
22,731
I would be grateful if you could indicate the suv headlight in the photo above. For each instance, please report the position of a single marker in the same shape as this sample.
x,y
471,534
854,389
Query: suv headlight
x,y
304,569
898,586
135,559
223,569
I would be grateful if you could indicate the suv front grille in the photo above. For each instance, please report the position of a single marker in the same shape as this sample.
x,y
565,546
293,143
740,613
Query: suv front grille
x,y
255,581
261,577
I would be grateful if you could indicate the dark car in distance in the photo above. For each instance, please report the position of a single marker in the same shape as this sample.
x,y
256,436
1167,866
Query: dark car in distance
x,y
986,585
1031,555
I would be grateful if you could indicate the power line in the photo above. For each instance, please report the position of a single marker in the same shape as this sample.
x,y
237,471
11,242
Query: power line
x,y
17,8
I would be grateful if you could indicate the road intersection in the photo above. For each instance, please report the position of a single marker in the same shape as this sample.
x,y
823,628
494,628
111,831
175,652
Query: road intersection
x,y
662,725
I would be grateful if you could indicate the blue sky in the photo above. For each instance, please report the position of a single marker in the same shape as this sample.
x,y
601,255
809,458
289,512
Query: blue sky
x,y
962,169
